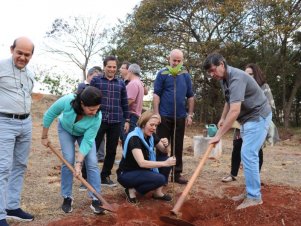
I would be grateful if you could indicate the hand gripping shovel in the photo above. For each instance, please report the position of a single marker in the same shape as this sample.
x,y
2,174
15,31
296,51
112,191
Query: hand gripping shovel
x,y
175,211
105,204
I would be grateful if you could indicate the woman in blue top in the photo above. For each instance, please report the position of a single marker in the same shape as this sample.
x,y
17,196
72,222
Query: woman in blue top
x,y
79,120
138,169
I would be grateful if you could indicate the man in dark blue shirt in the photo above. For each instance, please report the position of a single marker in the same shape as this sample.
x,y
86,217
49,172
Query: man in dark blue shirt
x,y
164,105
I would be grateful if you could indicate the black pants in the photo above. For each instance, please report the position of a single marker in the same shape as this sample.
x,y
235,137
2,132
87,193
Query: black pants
x,y
112,132
166,130
236,157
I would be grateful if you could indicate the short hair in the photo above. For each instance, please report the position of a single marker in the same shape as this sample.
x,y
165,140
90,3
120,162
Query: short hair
x,y
127,63
109,58
258,75
98,68
146,116
90,96
13,46
214,59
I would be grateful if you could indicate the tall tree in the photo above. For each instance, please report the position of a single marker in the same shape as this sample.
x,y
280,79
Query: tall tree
x,y
77,40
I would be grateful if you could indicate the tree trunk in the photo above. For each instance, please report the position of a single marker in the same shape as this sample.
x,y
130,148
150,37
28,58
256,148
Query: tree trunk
x,y
288,104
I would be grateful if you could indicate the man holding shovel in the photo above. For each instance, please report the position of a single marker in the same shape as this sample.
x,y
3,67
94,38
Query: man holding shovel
x,y
246,103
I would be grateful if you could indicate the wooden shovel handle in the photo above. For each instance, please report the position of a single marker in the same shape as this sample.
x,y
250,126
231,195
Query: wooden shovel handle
x,y
194,176
105,204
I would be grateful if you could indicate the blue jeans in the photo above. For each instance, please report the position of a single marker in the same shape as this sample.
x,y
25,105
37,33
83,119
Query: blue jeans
x,y
67,142
143,180
15,141
253,134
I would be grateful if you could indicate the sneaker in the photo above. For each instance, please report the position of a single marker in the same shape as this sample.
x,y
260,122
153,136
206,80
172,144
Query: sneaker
x,y
3,222
82,188
95,206
107,182
249,202
67,205
228,178
239,197
19,214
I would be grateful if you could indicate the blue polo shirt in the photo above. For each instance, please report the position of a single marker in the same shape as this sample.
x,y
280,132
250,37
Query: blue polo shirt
x,y
164,88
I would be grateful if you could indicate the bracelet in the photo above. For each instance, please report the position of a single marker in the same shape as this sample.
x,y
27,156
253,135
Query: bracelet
x,y
44,137
127,120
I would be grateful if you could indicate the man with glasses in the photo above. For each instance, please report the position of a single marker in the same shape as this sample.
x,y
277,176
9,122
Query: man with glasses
x,y
246,103
16,84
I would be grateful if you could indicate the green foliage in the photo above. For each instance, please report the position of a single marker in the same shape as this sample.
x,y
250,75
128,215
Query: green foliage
x,y
256,31
54,83
174,71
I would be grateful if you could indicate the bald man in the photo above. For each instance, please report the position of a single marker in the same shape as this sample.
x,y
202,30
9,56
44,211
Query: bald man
x,y
16,84
163,101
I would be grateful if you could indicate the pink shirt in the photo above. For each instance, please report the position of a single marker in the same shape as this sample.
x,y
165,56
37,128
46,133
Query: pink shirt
x,y
135,92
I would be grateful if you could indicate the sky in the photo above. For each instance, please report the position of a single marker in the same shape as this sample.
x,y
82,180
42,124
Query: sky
x,y
33,18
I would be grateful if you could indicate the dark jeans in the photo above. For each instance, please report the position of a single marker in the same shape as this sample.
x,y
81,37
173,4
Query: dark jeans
x,y
236,157
166,130
133,124
164,170
112,132
143,180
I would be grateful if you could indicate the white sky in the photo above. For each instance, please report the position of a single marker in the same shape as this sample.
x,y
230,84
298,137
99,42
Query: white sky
x,y
33,18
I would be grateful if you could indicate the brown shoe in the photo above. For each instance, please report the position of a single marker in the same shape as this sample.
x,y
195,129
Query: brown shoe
x,y
180,179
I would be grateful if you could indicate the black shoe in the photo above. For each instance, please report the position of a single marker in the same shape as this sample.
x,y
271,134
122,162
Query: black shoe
x,y
106,181
180,180
67,205
19,214
95,206
128,198
3,222
165,197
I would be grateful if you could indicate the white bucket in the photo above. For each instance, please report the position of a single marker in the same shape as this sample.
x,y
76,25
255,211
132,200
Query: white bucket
x,y
200,145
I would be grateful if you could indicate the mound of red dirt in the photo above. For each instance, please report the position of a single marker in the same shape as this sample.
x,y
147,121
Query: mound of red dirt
x,y
281,207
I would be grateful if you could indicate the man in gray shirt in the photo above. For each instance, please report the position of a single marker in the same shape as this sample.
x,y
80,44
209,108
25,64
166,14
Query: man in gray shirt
x,y
16,84
246,103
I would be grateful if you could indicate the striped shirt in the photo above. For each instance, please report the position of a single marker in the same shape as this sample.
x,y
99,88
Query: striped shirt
x,y
114,101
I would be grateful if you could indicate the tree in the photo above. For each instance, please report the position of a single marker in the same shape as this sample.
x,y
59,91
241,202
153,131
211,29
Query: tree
x,y
78,40
51,81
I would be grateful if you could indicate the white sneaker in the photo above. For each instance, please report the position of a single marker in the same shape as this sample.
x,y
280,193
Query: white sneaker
x,y
239,197
228,178
249,202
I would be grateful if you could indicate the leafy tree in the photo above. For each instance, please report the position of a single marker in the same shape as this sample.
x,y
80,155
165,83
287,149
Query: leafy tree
x,y
54,83
78,40
256,31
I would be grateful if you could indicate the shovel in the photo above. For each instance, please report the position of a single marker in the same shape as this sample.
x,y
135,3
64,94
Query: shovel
x,y
105,204
174,220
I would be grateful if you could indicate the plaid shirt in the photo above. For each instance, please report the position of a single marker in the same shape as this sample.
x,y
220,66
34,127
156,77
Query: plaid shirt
x,y
114,101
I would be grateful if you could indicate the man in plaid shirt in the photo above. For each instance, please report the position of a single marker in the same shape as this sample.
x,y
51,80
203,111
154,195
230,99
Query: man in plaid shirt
x,y
114,106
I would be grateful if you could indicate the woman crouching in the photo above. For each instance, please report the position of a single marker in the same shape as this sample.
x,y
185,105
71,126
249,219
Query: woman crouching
x,y
138,169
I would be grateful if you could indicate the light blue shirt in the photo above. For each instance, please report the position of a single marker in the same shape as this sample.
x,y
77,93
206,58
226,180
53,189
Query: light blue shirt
x,y
87,127
15,88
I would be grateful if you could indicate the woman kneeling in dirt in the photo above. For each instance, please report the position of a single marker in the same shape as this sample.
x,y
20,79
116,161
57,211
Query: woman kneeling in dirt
x,y
79,120
138,169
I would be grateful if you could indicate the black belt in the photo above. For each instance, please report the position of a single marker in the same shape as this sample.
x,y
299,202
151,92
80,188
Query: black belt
x,y
14,116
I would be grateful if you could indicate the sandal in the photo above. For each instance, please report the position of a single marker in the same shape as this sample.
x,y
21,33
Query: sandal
x,y
228,178
128,198
165,197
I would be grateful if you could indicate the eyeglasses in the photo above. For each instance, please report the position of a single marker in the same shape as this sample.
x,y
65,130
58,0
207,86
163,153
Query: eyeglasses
x,y
212,70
